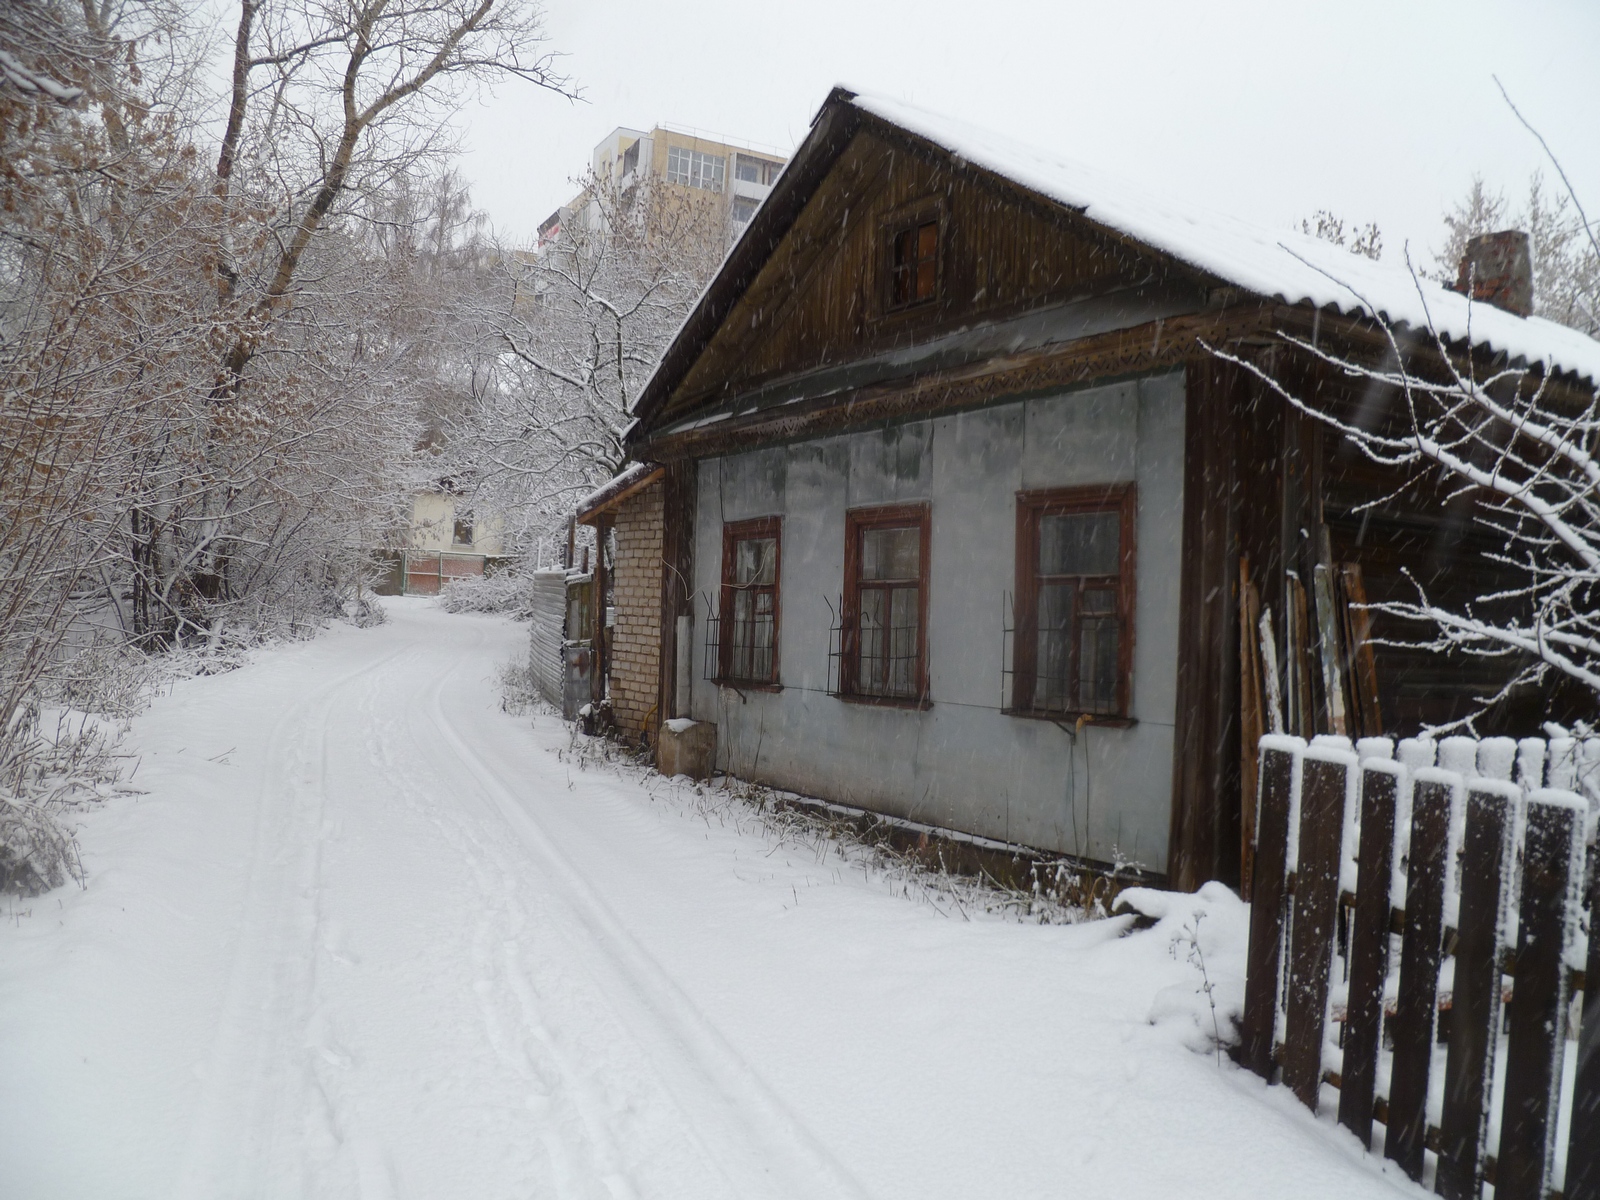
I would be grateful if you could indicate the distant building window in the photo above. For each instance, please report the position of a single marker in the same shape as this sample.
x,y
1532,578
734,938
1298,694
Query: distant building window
x,y
1075,601
463,530
750,169
630,159
744,208
914,264
750,575
885,604
693,169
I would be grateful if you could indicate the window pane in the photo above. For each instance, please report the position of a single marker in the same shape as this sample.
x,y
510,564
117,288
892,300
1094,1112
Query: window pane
x,y
677,165
747,169
925,279
928,242
743,625
1080,543
751,636
761,638
891,553
870,667
903,247
1052,653
1097,665
903,621
755,561
1100,600
900,287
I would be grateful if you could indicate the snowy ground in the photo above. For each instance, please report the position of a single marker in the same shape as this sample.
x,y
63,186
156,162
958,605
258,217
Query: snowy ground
x,y
368,936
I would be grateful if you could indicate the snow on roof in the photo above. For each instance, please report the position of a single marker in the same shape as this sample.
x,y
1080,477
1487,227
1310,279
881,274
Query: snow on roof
x,y
616,488
1291,266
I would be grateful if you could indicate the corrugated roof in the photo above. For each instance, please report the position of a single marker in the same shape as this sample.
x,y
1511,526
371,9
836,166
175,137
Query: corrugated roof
x,y
1289,266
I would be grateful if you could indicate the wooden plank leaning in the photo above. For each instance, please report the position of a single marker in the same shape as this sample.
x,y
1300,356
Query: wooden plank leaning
x,y
1551,857
1280,764
1369,953
1475,1005
1252,723
1327,774
1416,1009
1583,1146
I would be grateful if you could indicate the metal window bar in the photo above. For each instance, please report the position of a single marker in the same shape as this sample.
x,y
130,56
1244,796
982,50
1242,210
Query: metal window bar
x,y
713,646
887,657
751,637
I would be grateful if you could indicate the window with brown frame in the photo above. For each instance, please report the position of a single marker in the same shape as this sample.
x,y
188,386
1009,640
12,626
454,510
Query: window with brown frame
x,y
750,574
914,262
1073,651
885,642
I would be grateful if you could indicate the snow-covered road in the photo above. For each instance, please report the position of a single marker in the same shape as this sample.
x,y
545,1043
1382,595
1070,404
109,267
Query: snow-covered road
x,y
369,936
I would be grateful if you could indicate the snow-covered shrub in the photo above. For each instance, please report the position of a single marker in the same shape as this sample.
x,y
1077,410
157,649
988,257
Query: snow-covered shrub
x,y
519,690
1210,931
507,592
55,760
364,610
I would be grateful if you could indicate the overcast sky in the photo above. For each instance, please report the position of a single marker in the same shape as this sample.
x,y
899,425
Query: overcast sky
x,y
1266,108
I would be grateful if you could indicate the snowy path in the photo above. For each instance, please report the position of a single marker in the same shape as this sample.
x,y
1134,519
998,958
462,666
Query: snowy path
x,y
367,936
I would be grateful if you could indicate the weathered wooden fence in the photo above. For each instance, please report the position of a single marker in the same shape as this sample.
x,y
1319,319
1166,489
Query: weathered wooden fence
x,y
1420,942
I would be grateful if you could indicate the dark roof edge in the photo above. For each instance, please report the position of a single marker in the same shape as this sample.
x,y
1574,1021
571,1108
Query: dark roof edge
x,y
832,128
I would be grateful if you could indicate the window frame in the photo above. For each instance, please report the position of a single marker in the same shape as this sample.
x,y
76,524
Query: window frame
x,y
734,532
691,168
857,522
1032,506
905,219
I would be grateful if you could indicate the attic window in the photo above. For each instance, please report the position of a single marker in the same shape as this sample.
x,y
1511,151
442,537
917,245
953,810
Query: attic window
x,y
914,263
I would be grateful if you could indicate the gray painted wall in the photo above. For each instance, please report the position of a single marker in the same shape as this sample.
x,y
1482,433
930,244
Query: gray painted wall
x,y
961,763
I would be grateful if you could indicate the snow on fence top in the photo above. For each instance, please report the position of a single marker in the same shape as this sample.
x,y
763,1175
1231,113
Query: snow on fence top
x,y
1290,266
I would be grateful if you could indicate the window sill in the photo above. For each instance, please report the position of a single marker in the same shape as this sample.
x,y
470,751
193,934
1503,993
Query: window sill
x,y
1102,720
919,704
747,685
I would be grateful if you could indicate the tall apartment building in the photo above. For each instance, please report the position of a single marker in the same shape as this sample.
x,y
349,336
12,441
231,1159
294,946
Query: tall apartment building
x,y
734,177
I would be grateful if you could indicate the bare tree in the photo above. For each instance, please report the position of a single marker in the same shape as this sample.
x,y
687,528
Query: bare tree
x,y
570,334
211,358
1523,446
328,106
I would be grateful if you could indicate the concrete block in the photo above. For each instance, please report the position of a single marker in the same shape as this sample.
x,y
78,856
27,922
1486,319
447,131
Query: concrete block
x,y
687,748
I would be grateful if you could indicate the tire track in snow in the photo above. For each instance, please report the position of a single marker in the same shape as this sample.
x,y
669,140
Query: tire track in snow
x,y
568,1122
255,1070
756,1142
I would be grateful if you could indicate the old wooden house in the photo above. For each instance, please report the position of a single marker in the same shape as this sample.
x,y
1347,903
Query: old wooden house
x,y
945,509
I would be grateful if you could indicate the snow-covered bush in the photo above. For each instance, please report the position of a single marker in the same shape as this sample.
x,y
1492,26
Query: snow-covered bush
x,y
55,760
509,592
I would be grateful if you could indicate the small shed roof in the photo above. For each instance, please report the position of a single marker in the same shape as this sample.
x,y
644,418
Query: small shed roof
x,y
630,480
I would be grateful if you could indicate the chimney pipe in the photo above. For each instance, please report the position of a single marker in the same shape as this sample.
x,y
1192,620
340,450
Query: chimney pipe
x,y
1498,269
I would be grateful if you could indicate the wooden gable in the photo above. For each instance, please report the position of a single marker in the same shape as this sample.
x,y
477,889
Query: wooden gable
x,y
821,297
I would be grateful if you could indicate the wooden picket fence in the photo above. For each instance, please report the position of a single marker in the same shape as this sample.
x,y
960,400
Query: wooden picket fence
x,y
1419,941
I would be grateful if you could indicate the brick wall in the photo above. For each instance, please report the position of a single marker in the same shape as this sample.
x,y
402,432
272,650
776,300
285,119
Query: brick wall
x,y
636,636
